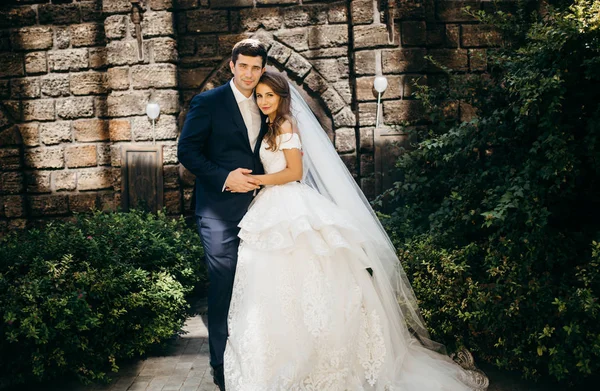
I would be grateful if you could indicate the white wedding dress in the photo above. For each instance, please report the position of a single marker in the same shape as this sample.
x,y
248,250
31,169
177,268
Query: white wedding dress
x,y
304,312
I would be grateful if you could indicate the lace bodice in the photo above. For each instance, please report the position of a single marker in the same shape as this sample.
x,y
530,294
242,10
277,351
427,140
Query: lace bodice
x,y
274,161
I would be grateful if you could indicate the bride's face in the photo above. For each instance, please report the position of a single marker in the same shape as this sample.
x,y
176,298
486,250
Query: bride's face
x,y
266,99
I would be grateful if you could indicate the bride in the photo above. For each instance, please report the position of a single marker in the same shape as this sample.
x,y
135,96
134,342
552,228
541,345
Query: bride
x,y
320,301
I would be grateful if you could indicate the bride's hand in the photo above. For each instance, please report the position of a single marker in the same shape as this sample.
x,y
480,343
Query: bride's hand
x,y
256,179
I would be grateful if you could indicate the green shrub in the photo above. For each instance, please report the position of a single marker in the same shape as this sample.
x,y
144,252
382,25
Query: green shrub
x,y
498,217
76,298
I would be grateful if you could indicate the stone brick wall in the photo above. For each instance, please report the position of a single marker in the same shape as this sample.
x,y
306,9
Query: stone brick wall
x,y
73,89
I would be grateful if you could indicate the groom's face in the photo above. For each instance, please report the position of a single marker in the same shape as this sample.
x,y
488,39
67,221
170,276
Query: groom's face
x,y
246,73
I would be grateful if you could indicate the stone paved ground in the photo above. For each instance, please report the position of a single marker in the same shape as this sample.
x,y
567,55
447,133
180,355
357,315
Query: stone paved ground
x,y
184,367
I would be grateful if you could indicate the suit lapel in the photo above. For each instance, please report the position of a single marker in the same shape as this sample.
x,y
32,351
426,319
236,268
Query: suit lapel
x,y
235,112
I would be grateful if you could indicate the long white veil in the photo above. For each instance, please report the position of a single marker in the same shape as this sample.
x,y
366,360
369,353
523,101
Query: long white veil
x,y
325,172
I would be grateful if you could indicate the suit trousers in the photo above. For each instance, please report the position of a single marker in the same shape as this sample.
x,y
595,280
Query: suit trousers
x,y
220,241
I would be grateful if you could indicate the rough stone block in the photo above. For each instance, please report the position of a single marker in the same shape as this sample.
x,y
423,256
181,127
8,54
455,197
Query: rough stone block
x,y
399,111
166,128
12,64
91,11
343,88
88,130
193,78
25,88
327,36
98,58
156,24
116,6
4,89
295,38
68,60
351,163
94,179
298,65
88,83
207,21
103,154
171,177
371,36
124,53
119,129
55,85
367,113
366,140
38,110
367,164
115,26
332,100
55,132
161,5
226,42
30,134
328,68
362,12
87,34
365,90
11,182
414,33
337,13
455,59
315,82
35,63
365,62
64,180
233,3
172,200
187,4
59,13
63,37
403,60
254,18
118,78
48,205
155,75
170,153
167,99
38,182
72,108
453,11
51,157
77,156
32,38
17,16
345,140
478,35
344,118
83,203
14,206
279,53
125,104
164,50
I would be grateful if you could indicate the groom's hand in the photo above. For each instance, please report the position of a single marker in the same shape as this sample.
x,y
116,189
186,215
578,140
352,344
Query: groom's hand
x,y
238,182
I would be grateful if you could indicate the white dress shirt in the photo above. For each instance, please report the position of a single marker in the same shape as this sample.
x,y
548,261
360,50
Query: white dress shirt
x,y
250,113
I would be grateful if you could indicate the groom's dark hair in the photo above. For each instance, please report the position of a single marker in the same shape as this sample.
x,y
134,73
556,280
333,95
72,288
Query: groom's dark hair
x,y
249,47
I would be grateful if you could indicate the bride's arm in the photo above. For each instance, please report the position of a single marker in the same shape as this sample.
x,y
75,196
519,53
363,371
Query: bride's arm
x,y
292,172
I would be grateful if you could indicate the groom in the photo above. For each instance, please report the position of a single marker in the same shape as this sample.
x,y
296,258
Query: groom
x,y
219,144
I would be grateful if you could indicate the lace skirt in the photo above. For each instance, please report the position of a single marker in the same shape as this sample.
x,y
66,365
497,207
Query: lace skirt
x,y
304,313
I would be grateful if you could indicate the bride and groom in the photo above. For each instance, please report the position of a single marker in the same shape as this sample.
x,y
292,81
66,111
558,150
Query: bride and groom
x,y
306,291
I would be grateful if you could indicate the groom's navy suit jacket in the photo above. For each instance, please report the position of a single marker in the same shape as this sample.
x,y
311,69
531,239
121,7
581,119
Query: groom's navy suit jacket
x,y
213,142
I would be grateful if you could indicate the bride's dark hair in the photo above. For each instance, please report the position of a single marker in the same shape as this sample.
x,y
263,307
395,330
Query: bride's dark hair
x,y
278,83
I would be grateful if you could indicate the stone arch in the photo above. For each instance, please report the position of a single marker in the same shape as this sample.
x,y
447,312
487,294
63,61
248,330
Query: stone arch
x,y
333,112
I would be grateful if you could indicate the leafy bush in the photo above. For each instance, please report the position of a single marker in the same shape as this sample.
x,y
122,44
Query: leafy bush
x,y
78,297
498,216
